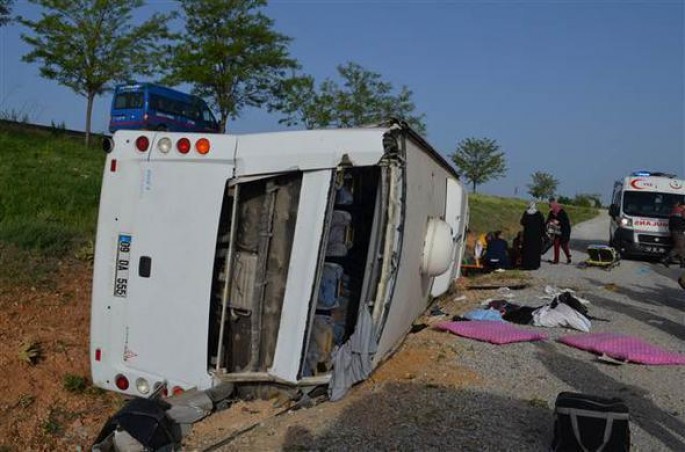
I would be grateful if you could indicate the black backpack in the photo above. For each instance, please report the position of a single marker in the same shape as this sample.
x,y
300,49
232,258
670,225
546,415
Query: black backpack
x,y
590,423
146,421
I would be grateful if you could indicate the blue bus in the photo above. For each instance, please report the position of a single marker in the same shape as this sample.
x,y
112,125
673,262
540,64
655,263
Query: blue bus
x,y
148,106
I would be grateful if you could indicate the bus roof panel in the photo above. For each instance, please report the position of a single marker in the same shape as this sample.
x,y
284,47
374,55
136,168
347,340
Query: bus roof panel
x,y
308,150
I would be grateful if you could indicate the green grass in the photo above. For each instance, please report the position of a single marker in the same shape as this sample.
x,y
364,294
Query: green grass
x,y
492,213
49,190
76,384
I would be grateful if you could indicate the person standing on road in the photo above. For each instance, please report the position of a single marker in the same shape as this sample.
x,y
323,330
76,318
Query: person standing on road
x,y
676,224
533,231
559,225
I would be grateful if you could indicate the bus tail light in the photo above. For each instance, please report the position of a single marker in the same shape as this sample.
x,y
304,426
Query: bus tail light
x,y
202,146
142,143
142,386
160,388
98,354
177,391
183,145
164,145
113,165
121,382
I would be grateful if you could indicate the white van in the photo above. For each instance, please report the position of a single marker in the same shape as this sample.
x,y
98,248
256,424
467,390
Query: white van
x,y
266,258
640,206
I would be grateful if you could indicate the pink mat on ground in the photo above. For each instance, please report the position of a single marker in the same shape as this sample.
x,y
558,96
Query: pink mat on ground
x,y
624,348
490,331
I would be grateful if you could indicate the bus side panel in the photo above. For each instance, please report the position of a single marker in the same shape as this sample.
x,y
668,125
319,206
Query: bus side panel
x,y
425,198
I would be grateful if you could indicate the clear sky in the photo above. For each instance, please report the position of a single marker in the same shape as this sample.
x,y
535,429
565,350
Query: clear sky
x,y
585,90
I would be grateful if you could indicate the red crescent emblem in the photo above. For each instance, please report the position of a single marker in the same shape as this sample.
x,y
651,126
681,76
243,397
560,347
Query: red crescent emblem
x,y
633,183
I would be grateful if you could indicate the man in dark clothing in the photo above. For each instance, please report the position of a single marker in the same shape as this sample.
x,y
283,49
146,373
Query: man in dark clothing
x,y
676,224
559,223
533,231
496,256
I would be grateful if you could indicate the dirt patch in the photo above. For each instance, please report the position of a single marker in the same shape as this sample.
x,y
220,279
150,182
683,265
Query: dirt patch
x,y
49,405
427,359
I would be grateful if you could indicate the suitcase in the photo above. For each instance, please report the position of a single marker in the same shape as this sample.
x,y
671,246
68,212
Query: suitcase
x,y
602,256
588,423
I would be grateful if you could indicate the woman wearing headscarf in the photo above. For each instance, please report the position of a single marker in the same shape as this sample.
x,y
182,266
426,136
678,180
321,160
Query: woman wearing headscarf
x,y
559,223
533,230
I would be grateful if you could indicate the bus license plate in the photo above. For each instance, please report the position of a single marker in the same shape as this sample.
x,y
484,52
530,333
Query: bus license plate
x,y
122,265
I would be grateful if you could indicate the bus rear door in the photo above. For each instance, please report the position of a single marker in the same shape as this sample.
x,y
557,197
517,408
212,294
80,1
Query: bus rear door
x,y
167,221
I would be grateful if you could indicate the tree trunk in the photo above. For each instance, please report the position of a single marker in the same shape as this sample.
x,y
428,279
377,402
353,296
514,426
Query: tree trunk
x,y
222,123
474,186
89,114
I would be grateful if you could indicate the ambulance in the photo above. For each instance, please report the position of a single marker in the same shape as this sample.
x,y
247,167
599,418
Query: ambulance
x,y
640,206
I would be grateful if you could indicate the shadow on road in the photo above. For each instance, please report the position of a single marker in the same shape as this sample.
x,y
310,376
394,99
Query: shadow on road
x,y
404,416
666,325
657,295
582,244
586,378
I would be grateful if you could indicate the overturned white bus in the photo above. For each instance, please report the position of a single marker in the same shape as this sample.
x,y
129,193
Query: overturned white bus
x,y
288,258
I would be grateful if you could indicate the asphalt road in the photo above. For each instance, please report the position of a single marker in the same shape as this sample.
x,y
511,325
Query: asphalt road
x,y
596,231
641,299
509,406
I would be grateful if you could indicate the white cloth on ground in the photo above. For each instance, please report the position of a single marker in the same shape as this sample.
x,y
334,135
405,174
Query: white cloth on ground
x,y
561,315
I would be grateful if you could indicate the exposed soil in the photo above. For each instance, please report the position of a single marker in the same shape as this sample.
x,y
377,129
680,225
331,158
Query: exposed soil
x,y
50,404
436,392
37,411
426,359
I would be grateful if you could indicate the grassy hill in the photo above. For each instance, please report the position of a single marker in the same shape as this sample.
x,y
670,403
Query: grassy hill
x,y
49,189
491,213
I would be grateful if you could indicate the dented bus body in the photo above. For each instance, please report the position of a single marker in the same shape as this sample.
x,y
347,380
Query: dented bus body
x,y
255,259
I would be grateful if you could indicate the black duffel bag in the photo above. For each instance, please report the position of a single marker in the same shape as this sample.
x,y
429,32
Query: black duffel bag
x,y
587,423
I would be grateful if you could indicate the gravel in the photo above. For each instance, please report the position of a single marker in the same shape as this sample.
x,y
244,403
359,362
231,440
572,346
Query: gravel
x,y
511,406
638,298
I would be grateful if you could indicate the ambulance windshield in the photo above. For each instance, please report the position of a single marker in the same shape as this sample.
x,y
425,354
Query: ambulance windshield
x,y
649,204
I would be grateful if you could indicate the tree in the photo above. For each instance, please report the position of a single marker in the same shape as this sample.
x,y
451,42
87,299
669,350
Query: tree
x,y
363,98
480,160
588,200
5,10
544,185
230,54
88,44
